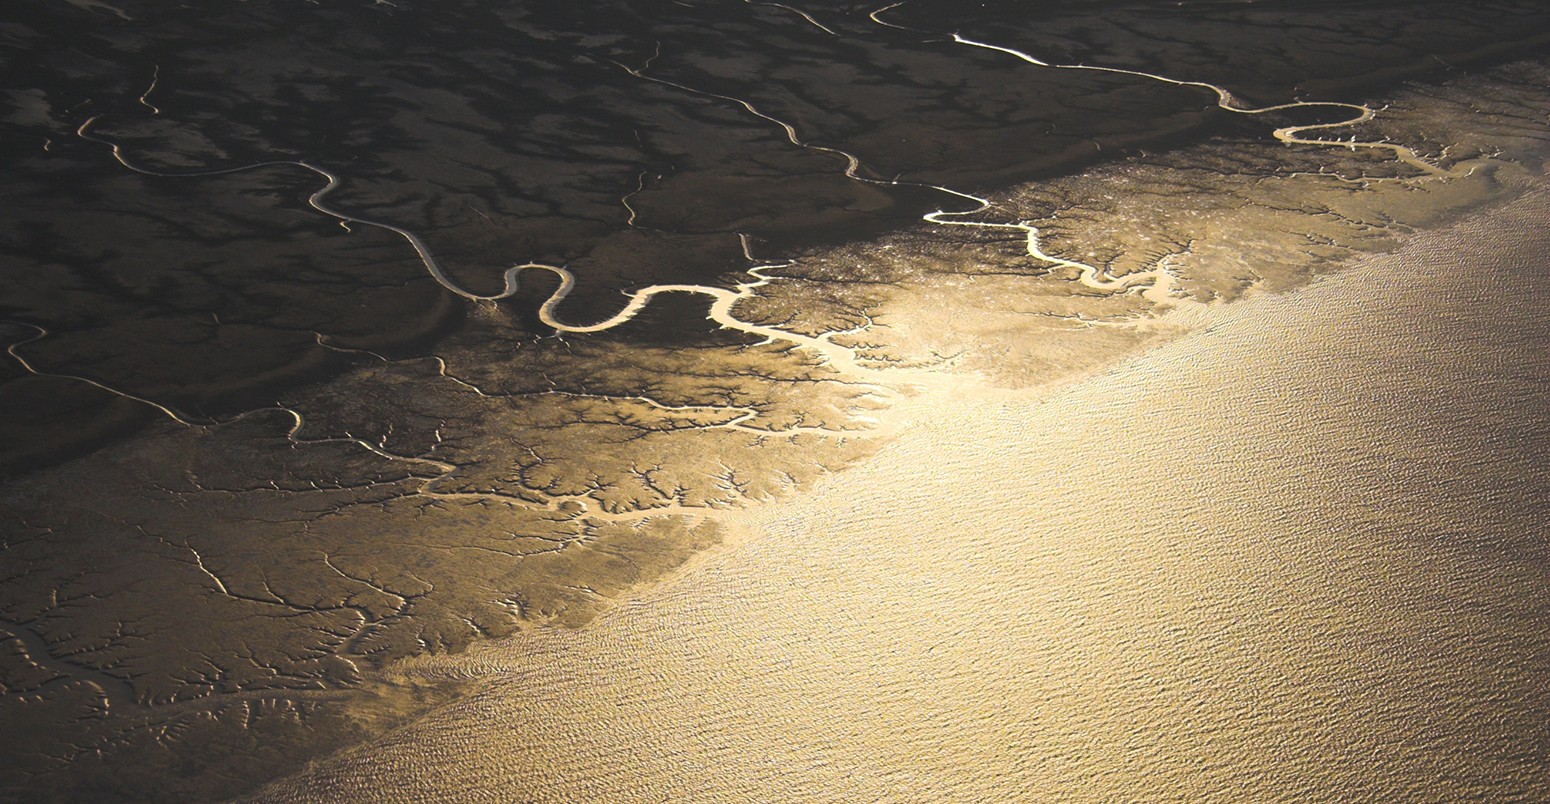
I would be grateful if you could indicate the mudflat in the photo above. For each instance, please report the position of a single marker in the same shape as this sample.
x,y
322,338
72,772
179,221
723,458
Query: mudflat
x,y
1297,555
339,339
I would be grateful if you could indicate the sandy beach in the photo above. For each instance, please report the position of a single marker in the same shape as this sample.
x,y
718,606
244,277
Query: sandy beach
x,y
1297,555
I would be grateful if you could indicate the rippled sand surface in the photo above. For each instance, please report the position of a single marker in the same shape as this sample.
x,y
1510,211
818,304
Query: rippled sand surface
x,y
338,340
1299,555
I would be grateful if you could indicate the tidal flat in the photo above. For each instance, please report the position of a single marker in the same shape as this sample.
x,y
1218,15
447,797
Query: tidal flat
x,y
729,400
1298,555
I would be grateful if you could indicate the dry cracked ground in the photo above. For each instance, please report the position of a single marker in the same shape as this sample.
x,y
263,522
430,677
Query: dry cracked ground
x,y
253,454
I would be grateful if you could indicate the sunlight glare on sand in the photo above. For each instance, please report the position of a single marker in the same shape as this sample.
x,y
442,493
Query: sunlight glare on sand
x,y
1250,563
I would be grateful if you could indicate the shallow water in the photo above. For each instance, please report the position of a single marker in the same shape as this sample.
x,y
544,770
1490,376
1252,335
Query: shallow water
x,y
1300,555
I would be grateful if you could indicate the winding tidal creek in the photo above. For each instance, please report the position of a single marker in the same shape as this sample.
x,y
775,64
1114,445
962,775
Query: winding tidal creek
x,y
736,401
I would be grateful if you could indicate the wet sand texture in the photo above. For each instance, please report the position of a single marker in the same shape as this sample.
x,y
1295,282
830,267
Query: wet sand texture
x,y
1299,556
341,335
